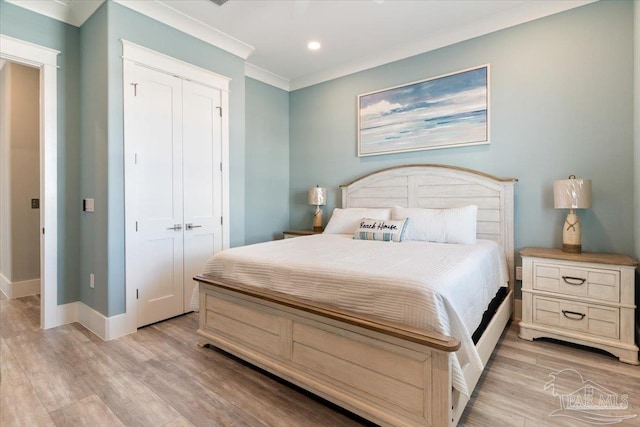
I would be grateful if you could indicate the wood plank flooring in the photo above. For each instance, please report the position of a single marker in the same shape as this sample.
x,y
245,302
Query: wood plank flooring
x,y
66,376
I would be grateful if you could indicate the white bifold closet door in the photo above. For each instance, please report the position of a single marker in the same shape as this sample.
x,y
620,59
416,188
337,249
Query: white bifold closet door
x,y
177,190
202,189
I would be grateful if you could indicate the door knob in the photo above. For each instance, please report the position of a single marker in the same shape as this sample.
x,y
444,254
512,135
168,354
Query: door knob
x,y
176,227
191,226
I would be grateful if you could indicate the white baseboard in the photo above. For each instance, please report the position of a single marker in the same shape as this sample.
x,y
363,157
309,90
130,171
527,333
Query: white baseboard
x,y
19,289
67,313
117,327
107,328
5,286
517,310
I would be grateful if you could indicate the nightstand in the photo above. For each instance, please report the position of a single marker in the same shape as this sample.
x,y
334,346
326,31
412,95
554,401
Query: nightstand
x,y
585,298
297,233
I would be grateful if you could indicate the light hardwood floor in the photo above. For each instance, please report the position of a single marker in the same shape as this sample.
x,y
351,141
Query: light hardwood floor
x,y
66,376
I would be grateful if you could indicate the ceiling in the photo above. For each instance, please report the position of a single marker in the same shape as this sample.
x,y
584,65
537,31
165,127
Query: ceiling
x,y
272,35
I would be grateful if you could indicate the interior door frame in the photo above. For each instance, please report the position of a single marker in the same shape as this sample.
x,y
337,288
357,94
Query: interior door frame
x,y
133,55
45,59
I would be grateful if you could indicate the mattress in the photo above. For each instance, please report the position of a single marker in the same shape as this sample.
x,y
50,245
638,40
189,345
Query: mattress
x,y
435,286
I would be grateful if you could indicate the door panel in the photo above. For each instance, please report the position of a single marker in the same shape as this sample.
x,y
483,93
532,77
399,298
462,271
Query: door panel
x,y
158,196
202,136
158,145
160,287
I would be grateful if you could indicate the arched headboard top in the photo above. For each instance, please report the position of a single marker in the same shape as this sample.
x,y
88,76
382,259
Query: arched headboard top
x,y
441,186
421,168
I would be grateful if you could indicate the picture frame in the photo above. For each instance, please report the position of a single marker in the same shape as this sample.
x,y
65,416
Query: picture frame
x,y
450,110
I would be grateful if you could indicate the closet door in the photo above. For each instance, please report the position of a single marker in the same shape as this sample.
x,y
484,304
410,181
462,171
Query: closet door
x,y
158,196
176,130
202,143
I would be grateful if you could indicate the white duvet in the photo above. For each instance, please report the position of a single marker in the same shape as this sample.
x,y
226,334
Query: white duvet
x,y
436,286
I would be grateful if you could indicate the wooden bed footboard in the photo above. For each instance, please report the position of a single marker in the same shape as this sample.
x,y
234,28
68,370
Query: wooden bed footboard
x,y
364,366
388,373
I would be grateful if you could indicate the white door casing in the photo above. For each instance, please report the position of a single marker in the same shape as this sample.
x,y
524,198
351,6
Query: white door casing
x,y
46,60
204,206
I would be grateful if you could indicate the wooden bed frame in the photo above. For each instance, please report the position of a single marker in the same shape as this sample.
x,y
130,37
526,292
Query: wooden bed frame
x,y
386,372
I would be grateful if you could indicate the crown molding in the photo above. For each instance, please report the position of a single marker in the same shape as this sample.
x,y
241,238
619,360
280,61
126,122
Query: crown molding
x,y
446,37
73,12
265,76
173,18
76,12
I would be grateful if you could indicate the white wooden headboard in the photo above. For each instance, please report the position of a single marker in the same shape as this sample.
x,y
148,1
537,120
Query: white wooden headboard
x,y
440,186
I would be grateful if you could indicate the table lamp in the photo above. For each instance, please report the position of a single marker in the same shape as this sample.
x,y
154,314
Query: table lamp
x,y
572,193
317,197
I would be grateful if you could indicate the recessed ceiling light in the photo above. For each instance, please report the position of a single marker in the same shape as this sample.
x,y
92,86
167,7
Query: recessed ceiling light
x,y
314,45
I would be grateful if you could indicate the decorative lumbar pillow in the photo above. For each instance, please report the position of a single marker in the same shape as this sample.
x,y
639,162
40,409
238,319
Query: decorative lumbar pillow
x,y
345,221
389,230
453,225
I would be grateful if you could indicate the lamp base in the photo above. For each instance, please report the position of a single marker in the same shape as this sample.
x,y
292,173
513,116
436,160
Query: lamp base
x,y
574,249
571,234
317,220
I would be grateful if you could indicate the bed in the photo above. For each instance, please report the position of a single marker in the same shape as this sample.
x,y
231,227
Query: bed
x,y
345,346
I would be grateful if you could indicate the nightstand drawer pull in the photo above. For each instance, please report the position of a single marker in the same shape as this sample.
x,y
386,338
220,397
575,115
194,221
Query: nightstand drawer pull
x,y
569,280
568,315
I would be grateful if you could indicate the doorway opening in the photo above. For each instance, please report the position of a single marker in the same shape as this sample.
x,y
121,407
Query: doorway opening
x,y
19,180
45,60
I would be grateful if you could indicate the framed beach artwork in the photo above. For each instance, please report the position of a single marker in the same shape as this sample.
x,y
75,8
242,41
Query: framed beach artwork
x,y
444,111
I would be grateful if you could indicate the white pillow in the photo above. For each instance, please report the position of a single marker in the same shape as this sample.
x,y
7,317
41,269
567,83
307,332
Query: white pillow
x,y
386,230
345,221
453,225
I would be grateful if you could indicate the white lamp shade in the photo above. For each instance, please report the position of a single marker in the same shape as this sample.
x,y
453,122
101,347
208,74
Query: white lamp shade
x,y
318,196
572,193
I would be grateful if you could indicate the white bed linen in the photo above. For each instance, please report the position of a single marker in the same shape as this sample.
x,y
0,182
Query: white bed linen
x,y
436,286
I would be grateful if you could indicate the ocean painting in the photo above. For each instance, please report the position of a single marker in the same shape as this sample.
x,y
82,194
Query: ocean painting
x,y
445,111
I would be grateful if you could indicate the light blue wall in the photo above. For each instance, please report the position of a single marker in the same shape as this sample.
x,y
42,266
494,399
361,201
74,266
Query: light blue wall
x,y
561,103
22,24
93,128
124,23
267,165
91,61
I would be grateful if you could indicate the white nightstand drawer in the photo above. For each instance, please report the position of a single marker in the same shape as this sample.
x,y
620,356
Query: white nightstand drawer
x,y
588,318
565,279
586,298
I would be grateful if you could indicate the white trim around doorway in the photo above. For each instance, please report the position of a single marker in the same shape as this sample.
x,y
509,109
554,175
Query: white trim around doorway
x,y
45,59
